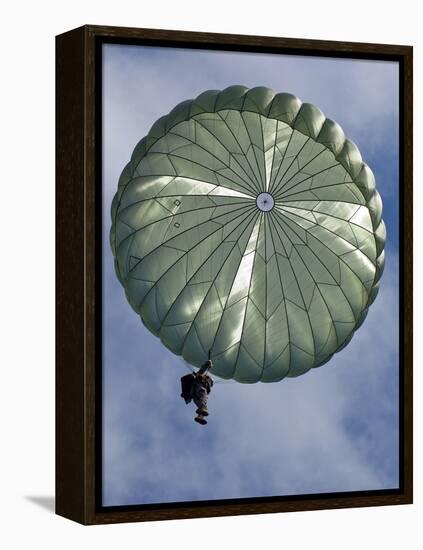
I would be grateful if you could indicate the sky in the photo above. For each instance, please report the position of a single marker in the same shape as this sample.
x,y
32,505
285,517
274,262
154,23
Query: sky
x,y
335,429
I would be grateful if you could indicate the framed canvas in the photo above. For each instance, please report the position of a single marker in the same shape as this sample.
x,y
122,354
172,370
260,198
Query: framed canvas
x,y
234,274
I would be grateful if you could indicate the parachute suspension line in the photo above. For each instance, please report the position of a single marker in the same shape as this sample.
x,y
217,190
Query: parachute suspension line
x,y
187,366
209,355
209,314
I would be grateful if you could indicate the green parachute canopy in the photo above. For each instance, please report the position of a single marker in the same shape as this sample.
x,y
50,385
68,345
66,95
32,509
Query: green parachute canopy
x,y
247,226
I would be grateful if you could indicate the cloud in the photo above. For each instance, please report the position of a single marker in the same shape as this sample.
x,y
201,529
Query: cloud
x,y
333,429
360,95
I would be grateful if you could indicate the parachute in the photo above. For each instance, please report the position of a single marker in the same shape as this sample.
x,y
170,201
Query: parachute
x,y
247,228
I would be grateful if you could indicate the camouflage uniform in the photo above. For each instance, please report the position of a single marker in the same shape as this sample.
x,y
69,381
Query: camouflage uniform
x,y
200,390
196,387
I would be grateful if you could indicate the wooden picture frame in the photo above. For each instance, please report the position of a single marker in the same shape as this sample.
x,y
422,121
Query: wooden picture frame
x,y
78,294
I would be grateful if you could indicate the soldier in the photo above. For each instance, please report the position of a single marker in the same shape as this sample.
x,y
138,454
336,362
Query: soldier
x,y
201,388
196,387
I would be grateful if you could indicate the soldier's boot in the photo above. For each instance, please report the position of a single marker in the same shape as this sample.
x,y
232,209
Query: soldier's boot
x,y
200,420
202,412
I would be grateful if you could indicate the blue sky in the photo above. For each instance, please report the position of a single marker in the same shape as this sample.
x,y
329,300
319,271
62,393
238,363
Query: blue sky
x,y
333,429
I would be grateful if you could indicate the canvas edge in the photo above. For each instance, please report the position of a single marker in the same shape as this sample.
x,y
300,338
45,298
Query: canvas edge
x,y
77,217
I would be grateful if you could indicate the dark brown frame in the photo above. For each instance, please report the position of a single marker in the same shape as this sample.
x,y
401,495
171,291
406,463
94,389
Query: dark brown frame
x,y
78,301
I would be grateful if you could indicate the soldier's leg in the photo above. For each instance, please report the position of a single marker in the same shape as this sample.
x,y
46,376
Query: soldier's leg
x,y
200,399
